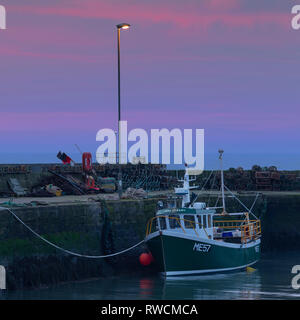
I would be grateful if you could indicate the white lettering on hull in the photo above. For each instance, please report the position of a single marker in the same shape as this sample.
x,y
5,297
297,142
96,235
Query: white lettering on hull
x,y
201,247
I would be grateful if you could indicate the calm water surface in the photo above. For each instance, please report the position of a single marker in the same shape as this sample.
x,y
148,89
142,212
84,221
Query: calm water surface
x,y
271,280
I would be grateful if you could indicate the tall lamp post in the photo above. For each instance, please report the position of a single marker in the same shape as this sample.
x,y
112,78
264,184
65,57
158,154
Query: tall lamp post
x,y
120,26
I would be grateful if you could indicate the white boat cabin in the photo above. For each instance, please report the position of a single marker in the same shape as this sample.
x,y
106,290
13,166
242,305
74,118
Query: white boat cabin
x,y
187,220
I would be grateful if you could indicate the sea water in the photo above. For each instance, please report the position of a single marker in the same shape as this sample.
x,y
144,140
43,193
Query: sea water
x,y
272,279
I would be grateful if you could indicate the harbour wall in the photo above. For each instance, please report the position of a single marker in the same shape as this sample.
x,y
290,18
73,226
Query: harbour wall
x,y
84,228
87,228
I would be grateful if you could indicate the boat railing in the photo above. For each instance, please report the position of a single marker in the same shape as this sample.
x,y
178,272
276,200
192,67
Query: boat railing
x,y
250,229
178,221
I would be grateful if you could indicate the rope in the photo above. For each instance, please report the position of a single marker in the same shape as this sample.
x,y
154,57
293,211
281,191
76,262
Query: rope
x,y
249,210
211,187
254,201
217,201
67,251
203,186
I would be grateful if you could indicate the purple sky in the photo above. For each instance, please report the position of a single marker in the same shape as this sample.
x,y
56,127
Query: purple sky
x,y
231,67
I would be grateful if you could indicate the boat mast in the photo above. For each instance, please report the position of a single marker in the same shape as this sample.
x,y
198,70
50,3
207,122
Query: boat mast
x,y
222,180
186,185
184,191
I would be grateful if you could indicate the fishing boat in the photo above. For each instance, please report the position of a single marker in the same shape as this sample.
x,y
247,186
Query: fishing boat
x,y
192,238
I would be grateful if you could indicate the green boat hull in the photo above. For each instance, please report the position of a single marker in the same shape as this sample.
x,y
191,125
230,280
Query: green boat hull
x,y
179,255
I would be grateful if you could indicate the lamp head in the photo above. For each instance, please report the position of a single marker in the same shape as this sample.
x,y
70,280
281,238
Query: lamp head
x,y
123,26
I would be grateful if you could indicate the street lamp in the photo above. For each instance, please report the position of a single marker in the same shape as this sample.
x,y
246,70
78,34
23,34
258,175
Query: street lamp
x,y
120,26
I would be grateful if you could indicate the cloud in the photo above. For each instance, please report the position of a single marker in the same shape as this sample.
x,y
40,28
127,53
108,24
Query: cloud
x,y
196,15
15,51
75,30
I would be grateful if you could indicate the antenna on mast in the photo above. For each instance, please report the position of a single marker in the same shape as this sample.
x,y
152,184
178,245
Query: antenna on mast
x,y
222,179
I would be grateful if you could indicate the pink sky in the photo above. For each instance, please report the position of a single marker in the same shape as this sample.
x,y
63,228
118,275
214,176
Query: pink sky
x,y
228,66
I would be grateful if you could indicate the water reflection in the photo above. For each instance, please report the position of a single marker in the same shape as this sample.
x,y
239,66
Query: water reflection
x,y
271,280
239,285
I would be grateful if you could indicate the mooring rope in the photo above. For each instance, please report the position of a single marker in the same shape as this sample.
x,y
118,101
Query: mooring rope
x,y
68,251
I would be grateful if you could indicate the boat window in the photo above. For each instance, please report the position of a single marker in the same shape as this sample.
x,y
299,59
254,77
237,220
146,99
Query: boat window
x,y
189,221
171,204
162,222
204,221
199,221
209,221
155,224
174,221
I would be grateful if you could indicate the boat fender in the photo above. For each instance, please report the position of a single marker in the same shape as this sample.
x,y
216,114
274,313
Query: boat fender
x,y
146,259
249,269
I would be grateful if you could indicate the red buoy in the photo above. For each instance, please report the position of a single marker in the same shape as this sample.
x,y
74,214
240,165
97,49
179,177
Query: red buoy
x,y
145,259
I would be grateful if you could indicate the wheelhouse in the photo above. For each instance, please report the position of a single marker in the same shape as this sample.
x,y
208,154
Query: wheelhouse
x,y
184,220
206,224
